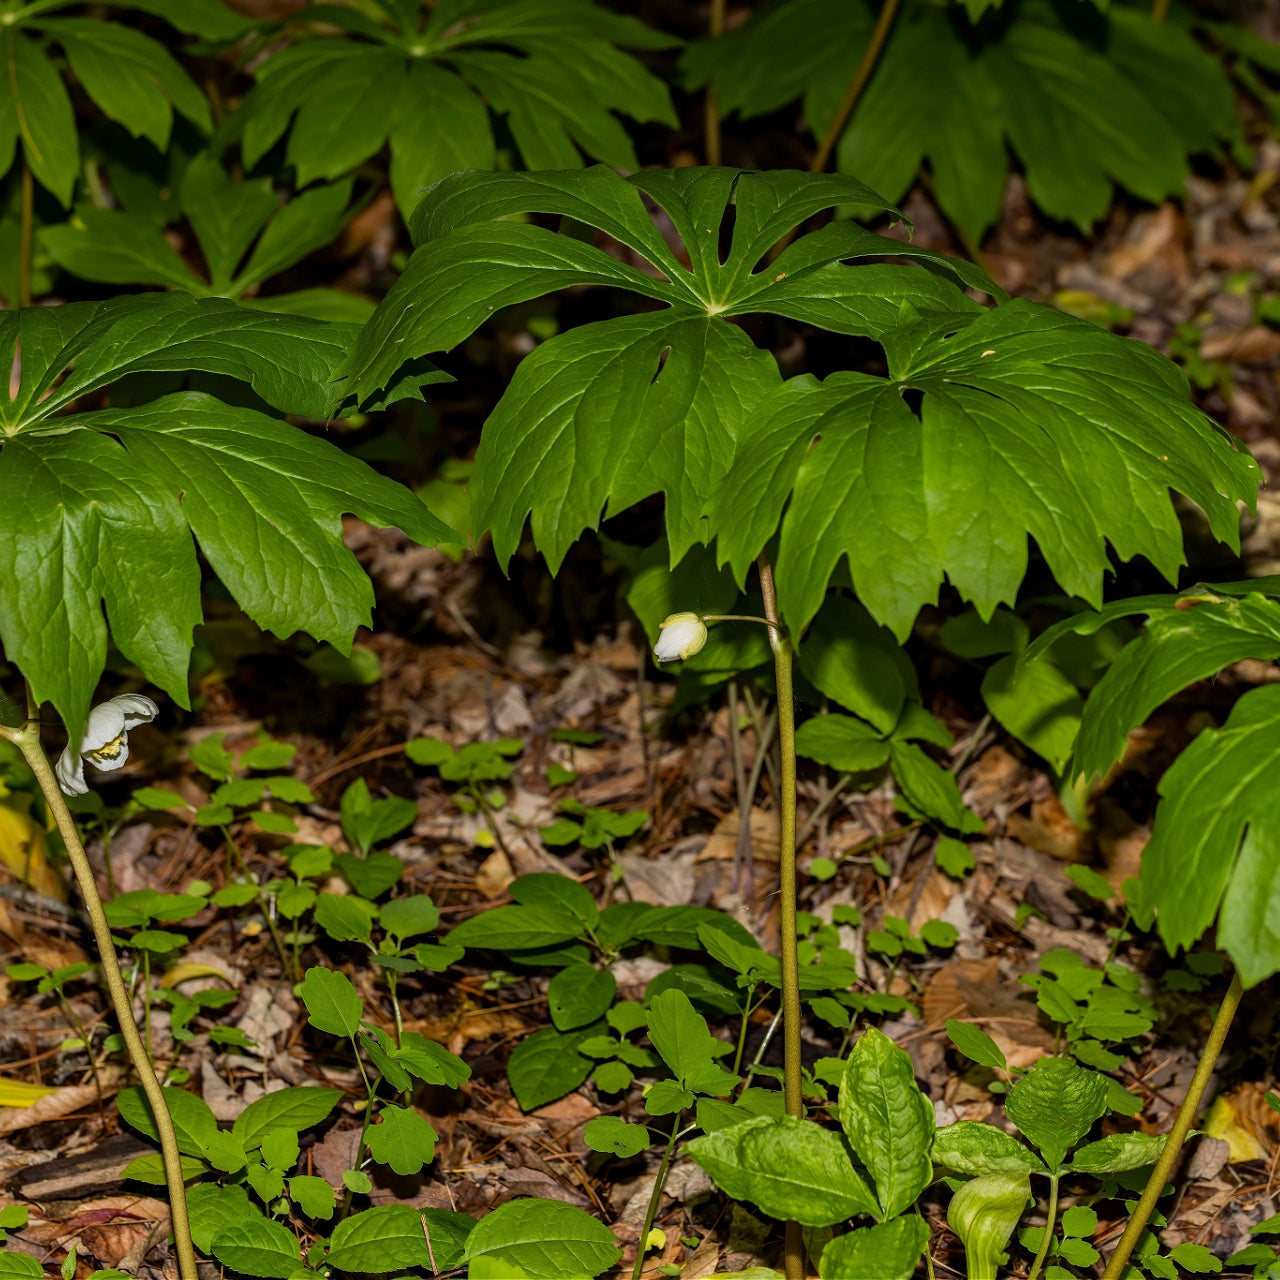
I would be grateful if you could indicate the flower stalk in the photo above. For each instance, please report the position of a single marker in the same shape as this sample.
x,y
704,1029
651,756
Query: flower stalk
x,y
683,635
27,740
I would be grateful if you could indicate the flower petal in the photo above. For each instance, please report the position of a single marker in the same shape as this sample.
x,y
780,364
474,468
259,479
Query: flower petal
x,y
70,774
105,723
136,708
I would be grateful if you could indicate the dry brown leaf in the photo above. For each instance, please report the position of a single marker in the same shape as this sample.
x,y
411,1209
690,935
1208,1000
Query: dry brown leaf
x,y
973,991
723,841
61,1102
1049,830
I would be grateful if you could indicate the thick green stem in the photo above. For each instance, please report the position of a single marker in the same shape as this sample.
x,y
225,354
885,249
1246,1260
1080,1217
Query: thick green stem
x,y
1159,10
1050,1221
27,740
655,1197
789,944
1182,1123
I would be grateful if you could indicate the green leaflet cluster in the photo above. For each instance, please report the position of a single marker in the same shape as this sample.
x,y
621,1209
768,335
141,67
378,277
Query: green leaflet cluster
x,y
245,236
1084,99
426,79
132,78
1081,434
101,506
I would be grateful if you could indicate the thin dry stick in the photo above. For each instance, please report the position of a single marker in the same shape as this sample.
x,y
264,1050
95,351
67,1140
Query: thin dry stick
x,y
711,107
1178,1134
27,740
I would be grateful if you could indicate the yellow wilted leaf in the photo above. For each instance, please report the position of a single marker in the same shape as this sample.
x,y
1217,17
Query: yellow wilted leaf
x,y
1223,1122
190,969
18,1093
22,850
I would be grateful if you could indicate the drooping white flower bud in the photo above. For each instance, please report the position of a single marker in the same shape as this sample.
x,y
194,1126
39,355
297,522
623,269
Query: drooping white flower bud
x,y
682,635
105,741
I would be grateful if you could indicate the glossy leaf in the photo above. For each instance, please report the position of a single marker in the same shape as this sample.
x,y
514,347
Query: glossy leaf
x,y
1080,433
791,1169
543,1239
887,1251
972,1148
1046,82
556,70
331,1001
547,1065
609,414
1056,1104
1215,840
888,1121
1187,637
850,745
402,1139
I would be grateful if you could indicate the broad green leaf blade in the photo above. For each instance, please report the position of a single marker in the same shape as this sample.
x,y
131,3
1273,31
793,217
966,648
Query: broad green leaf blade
x,y
547,1065
384,1238
596,196
308,222
293,1109
287,360
783,52
344,125
84,521
1062,99
1220,785
680,1035
972,1148
974,1043
792,1169
225,215
1118,1153
1080,433
843,743
1249,923
609,414
887,1251
440,127
517,928
257,1247
930,789
888,1121
1056,1104
331,1001
617,1137
1187,638
402,1139
1037,704
853,660
265,501
43,112
194,1123
134,79
116,248
545,1239
451,286
579,994
209,19
930,61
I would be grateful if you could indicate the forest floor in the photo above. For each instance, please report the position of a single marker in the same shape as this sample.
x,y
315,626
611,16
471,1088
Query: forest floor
x,y
467,655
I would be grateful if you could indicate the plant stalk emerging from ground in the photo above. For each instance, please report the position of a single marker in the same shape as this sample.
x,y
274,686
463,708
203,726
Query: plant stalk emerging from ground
x,y
27,740
1178,1134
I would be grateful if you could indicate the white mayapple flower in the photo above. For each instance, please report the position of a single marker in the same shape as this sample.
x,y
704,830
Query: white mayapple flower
x,y
682,635
105,741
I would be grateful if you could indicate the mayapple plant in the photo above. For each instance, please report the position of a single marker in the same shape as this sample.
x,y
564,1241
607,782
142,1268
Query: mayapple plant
x,y
105,505
993,425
